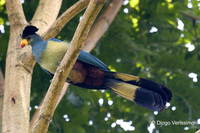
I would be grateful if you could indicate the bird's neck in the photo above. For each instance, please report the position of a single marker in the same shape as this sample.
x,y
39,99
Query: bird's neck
x,y
38,47
36,39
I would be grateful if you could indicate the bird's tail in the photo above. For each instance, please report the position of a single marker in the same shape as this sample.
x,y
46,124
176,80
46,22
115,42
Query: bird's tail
x,y
143,92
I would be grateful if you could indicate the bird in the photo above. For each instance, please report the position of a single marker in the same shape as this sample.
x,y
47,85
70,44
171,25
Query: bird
x,y
91,73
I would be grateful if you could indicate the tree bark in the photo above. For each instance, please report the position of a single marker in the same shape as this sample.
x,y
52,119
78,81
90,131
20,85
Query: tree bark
x,y
17,77
65,18
46,14
102,24
36,114
68,61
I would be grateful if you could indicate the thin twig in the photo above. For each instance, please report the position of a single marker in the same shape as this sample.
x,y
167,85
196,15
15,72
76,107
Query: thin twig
x,y
189,15
65,18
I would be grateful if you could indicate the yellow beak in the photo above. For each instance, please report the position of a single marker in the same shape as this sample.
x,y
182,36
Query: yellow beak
x,y
24,42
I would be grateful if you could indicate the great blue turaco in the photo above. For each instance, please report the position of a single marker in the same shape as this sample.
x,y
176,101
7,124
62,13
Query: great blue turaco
x,y
89,72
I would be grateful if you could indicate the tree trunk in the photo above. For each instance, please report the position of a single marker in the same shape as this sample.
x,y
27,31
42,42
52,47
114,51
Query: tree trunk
x,y
17,88
17,77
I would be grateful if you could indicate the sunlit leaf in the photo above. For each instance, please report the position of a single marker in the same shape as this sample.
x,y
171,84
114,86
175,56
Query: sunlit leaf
x,y
135,22
134,4
2,2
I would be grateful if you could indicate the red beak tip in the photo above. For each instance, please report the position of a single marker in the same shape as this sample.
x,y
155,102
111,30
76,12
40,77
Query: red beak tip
x,y
23,45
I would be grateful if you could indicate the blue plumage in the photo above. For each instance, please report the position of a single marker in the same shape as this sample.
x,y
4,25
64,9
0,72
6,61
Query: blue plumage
x,y
90,59
38,50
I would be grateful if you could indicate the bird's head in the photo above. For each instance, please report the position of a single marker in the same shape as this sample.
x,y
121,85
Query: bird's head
x,y
28,35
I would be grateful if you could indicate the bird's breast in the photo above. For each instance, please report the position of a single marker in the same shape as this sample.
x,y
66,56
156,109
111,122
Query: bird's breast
x,y
53,55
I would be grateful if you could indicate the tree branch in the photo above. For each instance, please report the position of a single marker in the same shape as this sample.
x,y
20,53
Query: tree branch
x,y
198,131
65,18
68,61
189,15
15,13
46,14
102,24
34,118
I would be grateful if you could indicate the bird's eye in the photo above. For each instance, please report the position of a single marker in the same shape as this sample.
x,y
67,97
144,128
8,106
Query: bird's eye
x,y
28,38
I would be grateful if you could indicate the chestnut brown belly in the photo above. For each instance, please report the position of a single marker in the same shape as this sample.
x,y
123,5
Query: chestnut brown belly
x,y
86,75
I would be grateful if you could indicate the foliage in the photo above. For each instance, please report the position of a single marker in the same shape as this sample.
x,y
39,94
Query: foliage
x,y
129,46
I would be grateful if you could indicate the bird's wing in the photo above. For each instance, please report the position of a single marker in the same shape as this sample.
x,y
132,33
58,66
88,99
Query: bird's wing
x,y
87,58
55,39
47,71
90,59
